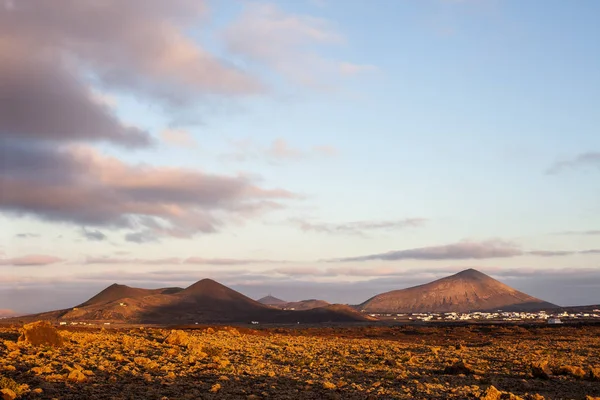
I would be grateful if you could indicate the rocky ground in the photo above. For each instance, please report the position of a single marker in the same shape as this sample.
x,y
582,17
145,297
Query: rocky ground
x,y
475,362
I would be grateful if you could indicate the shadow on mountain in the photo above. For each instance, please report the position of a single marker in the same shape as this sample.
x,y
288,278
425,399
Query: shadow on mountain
x,y
209,301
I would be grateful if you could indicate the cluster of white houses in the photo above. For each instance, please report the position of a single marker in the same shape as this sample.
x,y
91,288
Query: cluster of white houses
x,y
550,317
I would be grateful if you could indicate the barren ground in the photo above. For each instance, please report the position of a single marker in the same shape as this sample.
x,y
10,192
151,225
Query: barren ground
x,y
404,362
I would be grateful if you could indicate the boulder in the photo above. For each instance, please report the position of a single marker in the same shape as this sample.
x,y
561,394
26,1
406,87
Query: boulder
x,y
76,376
459,367
41,333
178,338
594,374
491,394
8,394
541,370
570,370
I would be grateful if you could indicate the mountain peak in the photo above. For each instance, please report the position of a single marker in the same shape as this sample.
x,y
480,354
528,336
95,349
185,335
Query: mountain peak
x,y
271,301
470,273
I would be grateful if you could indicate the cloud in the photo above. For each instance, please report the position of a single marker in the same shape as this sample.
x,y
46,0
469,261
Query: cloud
x,y
27,235
94,235
550,253
589,232
141,45
350,69
269,36
591,159
177,260
81,186
30,260
279,150
328,151
53,67
456,251
146,236
591,251
225,261
132,261
466,250
178,137
359,227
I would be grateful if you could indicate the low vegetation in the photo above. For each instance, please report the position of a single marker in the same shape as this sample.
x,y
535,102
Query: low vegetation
x,y
476,362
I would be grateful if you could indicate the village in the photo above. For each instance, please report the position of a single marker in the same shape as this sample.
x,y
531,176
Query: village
x,y
499,315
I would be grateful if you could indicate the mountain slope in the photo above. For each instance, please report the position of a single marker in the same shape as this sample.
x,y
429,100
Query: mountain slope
x,y
469,290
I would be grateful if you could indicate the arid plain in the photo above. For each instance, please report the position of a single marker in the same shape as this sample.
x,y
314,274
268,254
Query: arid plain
x,y
344,362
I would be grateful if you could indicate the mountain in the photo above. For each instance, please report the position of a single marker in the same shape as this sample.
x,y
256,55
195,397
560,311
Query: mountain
x,y
293,305
206,301
305,304
116,292
469,290
271,301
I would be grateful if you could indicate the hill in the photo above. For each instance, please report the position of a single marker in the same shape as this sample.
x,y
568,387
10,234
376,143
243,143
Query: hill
x,y
305,304
203,302
469,290
117,292
271,301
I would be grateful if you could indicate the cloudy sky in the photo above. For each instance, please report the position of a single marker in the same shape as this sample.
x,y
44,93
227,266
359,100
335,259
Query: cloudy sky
x,y
311,148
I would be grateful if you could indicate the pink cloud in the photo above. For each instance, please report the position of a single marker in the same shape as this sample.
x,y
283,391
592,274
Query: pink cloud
x,y
267,35
87,188
225,261
30,260
178,137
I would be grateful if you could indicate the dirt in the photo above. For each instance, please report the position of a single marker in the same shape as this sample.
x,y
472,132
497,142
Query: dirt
x,y
406,362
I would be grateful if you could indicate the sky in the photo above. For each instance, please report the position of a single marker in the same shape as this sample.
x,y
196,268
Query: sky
x,y
305,149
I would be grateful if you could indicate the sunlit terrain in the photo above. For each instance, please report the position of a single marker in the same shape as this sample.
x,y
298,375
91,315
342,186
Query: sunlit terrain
x,y
474,362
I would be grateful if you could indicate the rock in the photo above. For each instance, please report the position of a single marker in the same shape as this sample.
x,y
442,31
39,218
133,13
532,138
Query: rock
x,y
536,397
76,376
594,374
178,338
576,372
41,333
328,385
541,370
459,367
8,394
491,394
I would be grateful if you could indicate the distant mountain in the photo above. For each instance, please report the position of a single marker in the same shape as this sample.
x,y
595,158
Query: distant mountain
x,y
203,302
469,290
293,305
305,304
6,313
271,301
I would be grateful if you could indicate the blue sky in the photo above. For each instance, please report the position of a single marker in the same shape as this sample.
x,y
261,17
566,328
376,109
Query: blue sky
x,y
262,143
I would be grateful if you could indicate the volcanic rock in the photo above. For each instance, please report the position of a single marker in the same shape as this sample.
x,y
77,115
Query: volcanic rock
x,y
491,394
41,333
541,370
8,394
